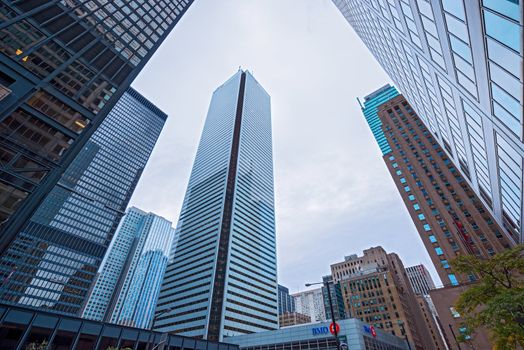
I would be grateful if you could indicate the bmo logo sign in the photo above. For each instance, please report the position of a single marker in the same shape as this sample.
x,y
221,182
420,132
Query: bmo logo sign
x,y
320,330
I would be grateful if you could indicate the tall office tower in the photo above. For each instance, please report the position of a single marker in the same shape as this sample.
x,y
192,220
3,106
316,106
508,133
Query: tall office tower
x,y
63,66
222,280
376,290
138,296
337,300
459,64
141,242
448,215
286,303
420,279
53,260
311,303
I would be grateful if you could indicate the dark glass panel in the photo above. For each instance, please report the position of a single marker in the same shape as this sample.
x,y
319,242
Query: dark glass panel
x,y
38,338
63,340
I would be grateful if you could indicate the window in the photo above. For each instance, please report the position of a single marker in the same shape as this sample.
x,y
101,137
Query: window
x,y
411,197
503,30
421,217
439,251
427,227
453,280
407,189
444,264
432,239
416,206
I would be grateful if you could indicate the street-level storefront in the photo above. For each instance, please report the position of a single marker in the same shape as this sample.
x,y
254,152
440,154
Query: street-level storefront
x,y
352,335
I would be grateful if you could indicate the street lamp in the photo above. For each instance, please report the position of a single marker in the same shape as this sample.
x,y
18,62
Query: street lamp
x,y
335,332
158,315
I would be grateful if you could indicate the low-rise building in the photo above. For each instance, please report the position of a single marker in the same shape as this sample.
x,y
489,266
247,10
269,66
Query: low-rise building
x,y
353,334
292,319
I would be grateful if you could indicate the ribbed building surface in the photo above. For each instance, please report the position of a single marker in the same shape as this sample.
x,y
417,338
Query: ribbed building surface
x,y
420,279
54,260
222,279
459,64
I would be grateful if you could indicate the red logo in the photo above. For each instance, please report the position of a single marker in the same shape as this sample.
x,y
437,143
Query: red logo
x,y
373,331
334,328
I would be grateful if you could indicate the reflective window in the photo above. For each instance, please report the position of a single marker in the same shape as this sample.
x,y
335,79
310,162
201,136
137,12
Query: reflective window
x,y
439,251
509,8
432,239
427,227
503,30
453,279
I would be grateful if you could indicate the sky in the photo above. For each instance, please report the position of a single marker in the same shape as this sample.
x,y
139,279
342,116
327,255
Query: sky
x,y
333,194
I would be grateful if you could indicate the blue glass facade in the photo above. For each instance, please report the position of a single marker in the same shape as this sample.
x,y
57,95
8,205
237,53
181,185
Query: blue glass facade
x,y
371,102
222,278
286,303
459,64
53,261
138,296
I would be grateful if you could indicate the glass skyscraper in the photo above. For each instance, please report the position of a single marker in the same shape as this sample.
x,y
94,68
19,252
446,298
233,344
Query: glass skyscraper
x,y
459,64
222,279
138,297
54,259
63,66
286,303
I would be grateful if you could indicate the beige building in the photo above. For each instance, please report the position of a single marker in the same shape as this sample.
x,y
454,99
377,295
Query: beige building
x,y
292,319
376,290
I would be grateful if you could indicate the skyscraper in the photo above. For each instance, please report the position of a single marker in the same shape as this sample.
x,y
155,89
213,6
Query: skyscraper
x,y
447,213
63,66
311,303
459,64
138,296
420,279
222,278
337,300
54,259
286,303
138,253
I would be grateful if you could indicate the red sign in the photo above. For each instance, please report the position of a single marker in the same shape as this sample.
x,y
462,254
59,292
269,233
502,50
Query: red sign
x,y
334,328
373,331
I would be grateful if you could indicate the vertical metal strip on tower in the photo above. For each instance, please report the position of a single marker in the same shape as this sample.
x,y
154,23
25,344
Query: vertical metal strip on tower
x,y
217,300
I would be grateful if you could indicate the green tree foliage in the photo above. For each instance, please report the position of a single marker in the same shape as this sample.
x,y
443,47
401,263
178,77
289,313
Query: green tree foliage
x,y
496,302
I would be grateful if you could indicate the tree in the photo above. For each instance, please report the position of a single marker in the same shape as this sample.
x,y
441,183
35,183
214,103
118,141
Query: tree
x,y
496,302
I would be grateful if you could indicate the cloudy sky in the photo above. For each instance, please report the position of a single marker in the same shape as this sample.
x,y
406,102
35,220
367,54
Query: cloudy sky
x,y
334,196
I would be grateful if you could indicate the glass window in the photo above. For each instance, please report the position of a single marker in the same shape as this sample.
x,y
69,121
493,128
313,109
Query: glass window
x,y
455,7
402,180
453,280
407,189
432,239
457,27
411,197
454,312
439,251
506,80
421,217
461,48
503,30
507,101
509,8
445,264
427,227
504,57
416,206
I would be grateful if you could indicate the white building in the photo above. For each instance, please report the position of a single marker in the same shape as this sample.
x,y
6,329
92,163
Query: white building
x,y
311,303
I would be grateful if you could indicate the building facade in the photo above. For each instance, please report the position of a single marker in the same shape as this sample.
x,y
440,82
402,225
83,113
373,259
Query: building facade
x,y
356,335
447,213
286,303
292,319
420,279
311,303
379,293
23,328
63,67
431,321
54,259
459,64
337,300
129,279
222,278
136,303
453,324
